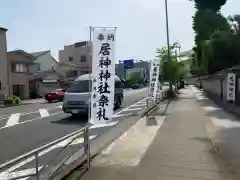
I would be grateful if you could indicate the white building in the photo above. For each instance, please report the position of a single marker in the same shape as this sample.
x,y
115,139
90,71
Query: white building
x,y
75,60
44,61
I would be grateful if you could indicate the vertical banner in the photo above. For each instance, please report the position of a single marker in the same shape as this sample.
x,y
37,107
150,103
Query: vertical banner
x,y
231,85
103,76
154,76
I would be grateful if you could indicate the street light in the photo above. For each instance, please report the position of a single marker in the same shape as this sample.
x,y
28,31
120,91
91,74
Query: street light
x,y
168,45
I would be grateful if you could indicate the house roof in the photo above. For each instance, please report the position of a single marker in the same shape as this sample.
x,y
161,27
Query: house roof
x,y
41,53
68,64
23,52
44,73
3,29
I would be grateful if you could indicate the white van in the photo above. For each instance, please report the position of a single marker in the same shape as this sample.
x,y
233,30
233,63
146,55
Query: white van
x,y
76,99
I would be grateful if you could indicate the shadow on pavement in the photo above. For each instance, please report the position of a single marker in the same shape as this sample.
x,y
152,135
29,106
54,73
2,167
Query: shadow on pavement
x,y
228,142
151,121
225,133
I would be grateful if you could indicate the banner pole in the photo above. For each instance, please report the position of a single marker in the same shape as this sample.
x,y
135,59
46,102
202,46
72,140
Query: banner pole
x,y
90,78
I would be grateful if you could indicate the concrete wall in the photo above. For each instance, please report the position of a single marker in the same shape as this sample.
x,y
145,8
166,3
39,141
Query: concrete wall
x,y
4,66
213,86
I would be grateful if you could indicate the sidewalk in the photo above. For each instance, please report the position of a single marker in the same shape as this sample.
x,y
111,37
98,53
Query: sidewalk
x,y
171,147
25,102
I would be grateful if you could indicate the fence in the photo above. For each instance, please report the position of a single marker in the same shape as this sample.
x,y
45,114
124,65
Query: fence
x,y
5,169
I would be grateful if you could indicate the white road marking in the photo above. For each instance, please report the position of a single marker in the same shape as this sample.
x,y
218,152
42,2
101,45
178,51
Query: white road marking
x,y
14,118
61,112
4,118
136,105
94,126
43,112
15,174
122,115
132,109
59,145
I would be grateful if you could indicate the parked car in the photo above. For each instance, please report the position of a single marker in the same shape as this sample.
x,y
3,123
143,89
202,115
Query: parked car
x,y
76,100
135,86
56,95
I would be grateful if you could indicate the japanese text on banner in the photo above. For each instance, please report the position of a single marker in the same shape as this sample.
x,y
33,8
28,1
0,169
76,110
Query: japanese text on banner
x,y
231,83
103,76
154,75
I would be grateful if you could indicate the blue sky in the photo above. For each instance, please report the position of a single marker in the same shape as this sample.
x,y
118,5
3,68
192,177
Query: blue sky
x,y
35,25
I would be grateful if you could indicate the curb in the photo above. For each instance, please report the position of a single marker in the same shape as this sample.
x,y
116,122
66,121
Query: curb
x,y
21,104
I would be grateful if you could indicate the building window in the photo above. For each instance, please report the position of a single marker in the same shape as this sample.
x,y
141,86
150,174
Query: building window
x,y
19,68
70,59
84,72
38,67
83,59
72,73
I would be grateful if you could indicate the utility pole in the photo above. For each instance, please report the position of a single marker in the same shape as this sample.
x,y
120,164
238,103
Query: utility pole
x,y
168,45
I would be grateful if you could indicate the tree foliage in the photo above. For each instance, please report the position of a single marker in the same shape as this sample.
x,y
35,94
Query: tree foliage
x,y
173,72
133,77
216,38
214,5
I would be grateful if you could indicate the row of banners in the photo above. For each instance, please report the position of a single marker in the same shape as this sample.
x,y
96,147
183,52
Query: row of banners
x,y
103,75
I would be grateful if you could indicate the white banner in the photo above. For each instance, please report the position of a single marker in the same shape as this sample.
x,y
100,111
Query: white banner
x,y
231,85
154,78
103,76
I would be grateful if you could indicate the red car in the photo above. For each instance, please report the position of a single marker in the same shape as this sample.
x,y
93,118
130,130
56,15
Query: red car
x,y
56,95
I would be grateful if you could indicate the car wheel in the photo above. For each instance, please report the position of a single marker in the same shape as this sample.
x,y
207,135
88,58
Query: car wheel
x,y
74,115
118,103
61,99
49,101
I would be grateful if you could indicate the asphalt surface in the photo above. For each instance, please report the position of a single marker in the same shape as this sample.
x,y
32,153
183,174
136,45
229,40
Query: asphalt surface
x,y
31,130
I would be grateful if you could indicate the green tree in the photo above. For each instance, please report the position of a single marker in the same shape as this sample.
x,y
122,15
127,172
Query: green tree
x,y
214,39
214,5
177,68
133,77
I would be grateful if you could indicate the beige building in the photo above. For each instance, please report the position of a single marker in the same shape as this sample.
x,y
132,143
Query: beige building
x,y
21,73
16,70
4,81
75,60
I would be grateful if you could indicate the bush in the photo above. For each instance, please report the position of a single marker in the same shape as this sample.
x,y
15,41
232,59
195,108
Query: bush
x,y
12,100
8,102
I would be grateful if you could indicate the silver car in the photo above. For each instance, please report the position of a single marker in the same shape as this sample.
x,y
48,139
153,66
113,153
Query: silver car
x,y
77,99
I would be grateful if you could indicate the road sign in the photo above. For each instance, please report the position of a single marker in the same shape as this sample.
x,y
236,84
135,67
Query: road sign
x,y
128,64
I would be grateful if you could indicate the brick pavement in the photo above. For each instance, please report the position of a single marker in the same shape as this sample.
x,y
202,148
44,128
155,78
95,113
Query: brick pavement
x,y
181,149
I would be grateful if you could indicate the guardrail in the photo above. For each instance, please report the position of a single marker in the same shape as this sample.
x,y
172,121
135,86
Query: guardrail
x,y
5,169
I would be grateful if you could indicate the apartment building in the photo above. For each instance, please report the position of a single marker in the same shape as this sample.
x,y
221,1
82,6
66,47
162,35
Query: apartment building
x,y
75,60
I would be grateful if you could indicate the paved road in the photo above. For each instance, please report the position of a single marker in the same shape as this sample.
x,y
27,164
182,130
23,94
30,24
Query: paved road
x,y
26,128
